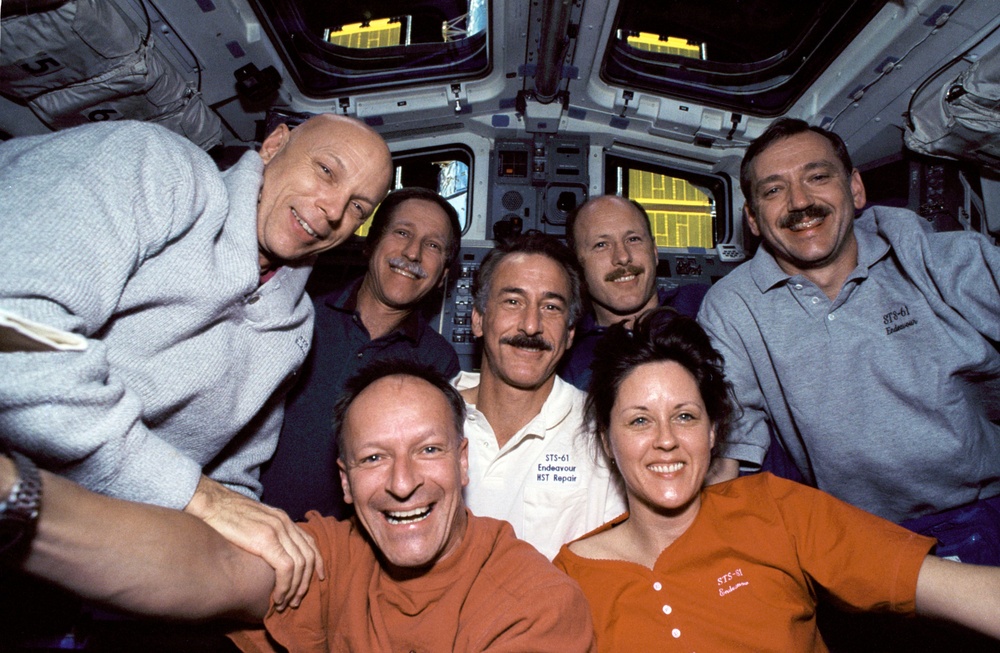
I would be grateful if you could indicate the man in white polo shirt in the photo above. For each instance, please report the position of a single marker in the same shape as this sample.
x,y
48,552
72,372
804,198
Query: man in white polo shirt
x,y
531,462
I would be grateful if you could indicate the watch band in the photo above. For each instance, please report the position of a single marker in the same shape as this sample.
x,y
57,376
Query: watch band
x,y
19,513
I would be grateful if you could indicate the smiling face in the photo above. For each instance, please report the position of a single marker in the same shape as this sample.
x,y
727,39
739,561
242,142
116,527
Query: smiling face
x,y
525,328
409,259
661,438
618,255
321,181
403,466
803,205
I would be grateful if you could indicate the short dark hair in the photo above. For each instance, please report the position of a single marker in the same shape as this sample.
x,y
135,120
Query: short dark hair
x,y
661,334
571,219
381,369
779,130
388,207
530,242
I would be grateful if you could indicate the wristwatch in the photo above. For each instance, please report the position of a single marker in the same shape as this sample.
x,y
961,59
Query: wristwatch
x,y
19,512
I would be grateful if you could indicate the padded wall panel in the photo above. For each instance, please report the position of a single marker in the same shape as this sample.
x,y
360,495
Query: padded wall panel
x,y
144,86
80,40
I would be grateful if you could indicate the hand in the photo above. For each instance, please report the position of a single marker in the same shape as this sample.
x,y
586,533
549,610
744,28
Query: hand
x,y
264,531
8,476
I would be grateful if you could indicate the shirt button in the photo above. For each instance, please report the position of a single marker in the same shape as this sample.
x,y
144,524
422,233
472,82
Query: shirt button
x,y
831,317
361,354
815,300
667,609
657,586
798,286
253,300
676,632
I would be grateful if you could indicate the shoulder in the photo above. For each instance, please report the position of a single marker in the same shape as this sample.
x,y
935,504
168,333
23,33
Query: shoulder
x,y
915,242
735,285
519,574
338,541
118,144
514,566
521,602
565,393
727,299
765,495
143,139
685,299
465,380
431,349
431,339
756,485
563,410
335,296
598,544
892,219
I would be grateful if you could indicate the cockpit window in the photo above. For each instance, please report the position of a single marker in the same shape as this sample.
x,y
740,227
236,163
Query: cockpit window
x,y
445,169
332,48
686,209
756,56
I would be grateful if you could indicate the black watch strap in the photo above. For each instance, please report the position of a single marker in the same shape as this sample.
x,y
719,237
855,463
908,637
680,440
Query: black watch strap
x,y
19,512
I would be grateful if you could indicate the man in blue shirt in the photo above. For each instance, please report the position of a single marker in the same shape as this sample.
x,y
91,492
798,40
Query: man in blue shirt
x,y
413,239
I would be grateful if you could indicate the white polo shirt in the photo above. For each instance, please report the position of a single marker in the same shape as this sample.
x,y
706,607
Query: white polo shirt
x,y
547,481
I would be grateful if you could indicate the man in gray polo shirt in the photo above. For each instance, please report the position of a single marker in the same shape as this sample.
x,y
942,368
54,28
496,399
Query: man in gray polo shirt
x,y
866,346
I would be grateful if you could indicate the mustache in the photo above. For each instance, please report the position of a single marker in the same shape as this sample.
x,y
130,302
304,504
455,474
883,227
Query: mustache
x,y
408,266
527,342
794,217
624,271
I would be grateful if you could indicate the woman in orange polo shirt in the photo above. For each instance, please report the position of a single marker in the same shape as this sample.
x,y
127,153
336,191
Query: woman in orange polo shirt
x,y
737,565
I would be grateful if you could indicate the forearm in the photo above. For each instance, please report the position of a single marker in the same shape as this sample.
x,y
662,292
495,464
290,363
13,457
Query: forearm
x,y
262,531
142,558
966,594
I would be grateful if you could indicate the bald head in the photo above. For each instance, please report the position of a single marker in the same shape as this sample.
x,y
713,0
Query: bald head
x,y
322,180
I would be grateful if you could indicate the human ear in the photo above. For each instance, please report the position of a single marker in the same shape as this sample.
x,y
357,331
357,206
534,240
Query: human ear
x,y
477,323
275,142
751,220
858,193
345,484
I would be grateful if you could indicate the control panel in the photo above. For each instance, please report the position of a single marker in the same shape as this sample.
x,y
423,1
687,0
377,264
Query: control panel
x,y
535,183
456,312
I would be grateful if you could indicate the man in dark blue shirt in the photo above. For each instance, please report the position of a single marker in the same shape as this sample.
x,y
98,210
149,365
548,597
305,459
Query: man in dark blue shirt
x,y
413,239
613,240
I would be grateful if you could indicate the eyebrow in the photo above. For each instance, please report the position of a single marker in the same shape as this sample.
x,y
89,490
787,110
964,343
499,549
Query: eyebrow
x,y
555,295
411,224
343,168
606,235
549,294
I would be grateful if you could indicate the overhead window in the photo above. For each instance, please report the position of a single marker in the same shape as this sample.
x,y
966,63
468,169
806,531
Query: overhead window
x,y
332,48
756,56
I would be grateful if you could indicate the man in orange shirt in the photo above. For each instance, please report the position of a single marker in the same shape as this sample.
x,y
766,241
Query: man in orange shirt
x,y
415,570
